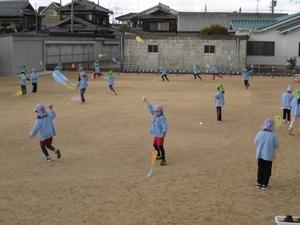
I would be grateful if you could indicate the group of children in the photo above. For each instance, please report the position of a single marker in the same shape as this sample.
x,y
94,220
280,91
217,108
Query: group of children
x,y
24,78
266,140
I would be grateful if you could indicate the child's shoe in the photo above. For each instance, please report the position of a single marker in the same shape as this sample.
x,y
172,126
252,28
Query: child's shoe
x,y
163,163
264,187
47,159
58,155
158,157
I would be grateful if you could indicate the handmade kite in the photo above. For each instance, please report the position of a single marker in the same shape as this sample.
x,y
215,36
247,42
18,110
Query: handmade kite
x,y
278,121
61,79
19,93
115,60
153,160
139,40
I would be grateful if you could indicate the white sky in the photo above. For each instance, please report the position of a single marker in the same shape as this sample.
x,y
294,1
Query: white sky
x,y
124,6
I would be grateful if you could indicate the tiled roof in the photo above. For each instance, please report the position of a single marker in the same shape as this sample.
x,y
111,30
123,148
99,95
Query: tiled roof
x,y
85,5
196,21
250,24
125,17
15,8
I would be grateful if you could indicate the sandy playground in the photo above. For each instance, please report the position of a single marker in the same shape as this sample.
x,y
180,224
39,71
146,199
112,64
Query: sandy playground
x,y
106,153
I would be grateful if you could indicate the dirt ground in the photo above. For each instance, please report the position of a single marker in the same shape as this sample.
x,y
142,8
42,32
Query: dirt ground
x,y
106,154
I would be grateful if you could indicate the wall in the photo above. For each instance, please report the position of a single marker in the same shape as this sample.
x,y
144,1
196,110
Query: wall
x,y
6,54
183,51
286,46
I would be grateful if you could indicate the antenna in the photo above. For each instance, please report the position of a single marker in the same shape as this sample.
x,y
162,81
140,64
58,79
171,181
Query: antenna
x,y
257,5
205,8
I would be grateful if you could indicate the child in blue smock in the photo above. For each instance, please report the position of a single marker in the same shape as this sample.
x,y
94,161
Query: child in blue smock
x,y
158,129
219,101
215,72
266,144
23,82
97,72
295,111
164,73
196,71
246,75
34,80
110,80
45,128
286,100
82,84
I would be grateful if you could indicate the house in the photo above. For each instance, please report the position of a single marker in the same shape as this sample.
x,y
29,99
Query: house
x,y
50,15
18,16
88,18
271,45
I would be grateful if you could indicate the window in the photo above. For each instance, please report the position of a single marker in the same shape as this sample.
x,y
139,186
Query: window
x,y
262,48
152,48
209,49
52,13
160,26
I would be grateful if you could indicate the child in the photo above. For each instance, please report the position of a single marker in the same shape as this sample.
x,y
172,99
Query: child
x,y
215,72
164,73
23,69
286,100
97,72
158,129
34,80
266,143
196,71
246,75
219,101
23,83
45,127
295,106
82,85
59,67
110,79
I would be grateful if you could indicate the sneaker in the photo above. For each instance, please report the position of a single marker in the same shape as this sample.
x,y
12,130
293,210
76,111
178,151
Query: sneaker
x,y
158,158
163,163
264,187
290,132
58,155
47,159
258,186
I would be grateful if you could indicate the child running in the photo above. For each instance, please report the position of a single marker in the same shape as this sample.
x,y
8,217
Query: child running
x,y
97,72
164,73
110,80
246,75
219,101
266,144
215,71
45,128
196,71
82,85
286,100
34,80
158,129
295,106
23,82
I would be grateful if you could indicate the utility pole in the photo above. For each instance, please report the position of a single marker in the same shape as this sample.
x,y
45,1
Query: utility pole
x,y
72,16
36,19
273,5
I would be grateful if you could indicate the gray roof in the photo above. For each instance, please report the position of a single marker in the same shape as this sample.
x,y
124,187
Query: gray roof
x,y
196,21
125,17
15,8
85,5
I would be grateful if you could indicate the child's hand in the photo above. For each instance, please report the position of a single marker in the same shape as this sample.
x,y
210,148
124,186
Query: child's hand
x,y
145,99
51,106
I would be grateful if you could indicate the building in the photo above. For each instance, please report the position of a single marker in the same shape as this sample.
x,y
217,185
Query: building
x,y
18,16
50,15
271,45
88,18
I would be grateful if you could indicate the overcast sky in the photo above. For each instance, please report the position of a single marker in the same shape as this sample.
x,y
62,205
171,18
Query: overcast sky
x,y
125,6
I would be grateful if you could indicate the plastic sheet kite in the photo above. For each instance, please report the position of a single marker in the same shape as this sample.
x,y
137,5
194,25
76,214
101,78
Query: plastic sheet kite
x,y
61,79
139,40
278,121
153,160
19,93
115,60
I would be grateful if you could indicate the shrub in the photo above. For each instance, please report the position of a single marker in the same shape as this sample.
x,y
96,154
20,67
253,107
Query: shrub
x,y
214,29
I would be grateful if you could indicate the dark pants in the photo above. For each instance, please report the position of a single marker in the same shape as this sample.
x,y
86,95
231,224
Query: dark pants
x,y
23,87
82,94
47,144
112,88
216,74
97,75
287,114
247,85
264,172
34,87
219,113
160,151
164,76
197,75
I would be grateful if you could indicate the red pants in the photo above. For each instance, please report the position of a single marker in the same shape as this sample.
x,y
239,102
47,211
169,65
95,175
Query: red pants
x,y
47,142
159,141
